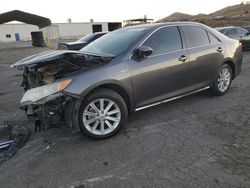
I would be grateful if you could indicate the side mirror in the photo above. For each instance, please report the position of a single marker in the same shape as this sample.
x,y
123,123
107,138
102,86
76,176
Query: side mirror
x,y
142,52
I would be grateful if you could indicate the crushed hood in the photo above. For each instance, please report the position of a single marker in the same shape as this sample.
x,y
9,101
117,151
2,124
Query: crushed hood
x,y
52,55
43,57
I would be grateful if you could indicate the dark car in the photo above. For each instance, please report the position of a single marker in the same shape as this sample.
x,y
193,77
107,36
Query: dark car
x,y
237,33
127,70
77,45
247,28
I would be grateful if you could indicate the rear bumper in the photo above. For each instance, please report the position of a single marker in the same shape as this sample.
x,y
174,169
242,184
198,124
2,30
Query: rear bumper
x,y
237,71
238,63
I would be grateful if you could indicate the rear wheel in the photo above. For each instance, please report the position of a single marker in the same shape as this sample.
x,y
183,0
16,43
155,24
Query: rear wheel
x,y
102,114
223,80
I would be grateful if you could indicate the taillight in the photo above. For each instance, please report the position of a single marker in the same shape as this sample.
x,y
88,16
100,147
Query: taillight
x,y
240,44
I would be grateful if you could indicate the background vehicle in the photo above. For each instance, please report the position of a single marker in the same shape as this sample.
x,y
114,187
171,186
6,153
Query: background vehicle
x,y
77,45
247,28
127,70
237,33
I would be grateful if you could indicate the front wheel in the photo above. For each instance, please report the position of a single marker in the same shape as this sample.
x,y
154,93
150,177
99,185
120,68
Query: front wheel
x,y
222,81
102,114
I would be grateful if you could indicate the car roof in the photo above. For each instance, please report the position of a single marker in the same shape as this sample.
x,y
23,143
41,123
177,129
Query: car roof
x,y
154,26
228,27
157,25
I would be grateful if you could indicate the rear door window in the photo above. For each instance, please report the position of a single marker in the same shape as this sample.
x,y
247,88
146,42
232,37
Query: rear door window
x,y
164,40
195,36
212,38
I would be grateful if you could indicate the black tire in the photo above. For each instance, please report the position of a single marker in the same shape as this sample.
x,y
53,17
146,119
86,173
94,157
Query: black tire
x,y
215,88
109,95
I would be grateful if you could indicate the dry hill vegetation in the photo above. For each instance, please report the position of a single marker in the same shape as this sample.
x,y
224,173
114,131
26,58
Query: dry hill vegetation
x,y
237,15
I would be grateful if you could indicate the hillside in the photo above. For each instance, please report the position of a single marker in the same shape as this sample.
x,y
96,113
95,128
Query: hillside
x,y
177,16
237,15
232,11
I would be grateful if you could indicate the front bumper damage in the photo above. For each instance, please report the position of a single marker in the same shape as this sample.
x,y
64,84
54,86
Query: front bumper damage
x,y
45,77
47,105
59,109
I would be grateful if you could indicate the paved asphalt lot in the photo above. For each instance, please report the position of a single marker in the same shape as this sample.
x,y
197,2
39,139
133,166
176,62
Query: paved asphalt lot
x,y
198,141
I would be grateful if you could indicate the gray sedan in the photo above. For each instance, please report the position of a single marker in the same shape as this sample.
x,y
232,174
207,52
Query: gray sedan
x,y
127,70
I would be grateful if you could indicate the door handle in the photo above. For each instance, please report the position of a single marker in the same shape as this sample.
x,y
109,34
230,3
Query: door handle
x,y
220,49
183,58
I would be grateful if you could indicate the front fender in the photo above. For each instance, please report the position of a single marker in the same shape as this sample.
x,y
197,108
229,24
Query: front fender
x,y
118,75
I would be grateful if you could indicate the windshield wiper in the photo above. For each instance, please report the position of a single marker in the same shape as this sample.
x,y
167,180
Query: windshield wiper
x,y
103,57
99,54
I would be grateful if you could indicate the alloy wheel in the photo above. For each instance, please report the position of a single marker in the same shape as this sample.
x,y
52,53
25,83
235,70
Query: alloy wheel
x,y
224,79
101,116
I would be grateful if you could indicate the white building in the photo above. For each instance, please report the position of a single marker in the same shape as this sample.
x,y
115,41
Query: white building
x,y
11,32
20,31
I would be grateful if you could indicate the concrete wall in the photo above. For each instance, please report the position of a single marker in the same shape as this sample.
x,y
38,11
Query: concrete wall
x,y
23,30
66,30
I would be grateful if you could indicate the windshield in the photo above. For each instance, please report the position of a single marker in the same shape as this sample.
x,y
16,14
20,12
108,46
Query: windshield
x,y
221,30
86,38
114,43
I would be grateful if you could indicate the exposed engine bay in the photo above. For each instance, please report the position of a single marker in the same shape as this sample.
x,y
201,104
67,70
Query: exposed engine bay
x,y
41,73
35,75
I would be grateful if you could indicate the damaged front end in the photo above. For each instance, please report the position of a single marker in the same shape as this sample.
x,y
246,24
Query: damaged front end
x,y
46,104
45,76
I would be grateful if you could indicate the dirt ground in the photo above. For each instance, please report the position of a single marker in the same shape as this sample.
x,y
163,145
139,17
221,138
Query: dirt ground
x,y
198,141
